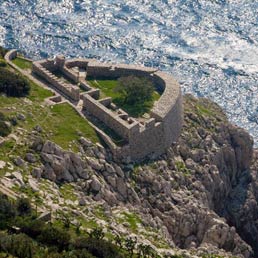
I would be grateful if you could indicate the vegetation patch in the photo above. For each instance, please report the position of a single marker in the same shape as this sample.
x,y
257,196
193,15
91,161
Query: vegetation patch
x,y
38,94
13,84
67,125
180,167
67,192
22,63
6,148
132,219
2,63
5,127
137,101
3,51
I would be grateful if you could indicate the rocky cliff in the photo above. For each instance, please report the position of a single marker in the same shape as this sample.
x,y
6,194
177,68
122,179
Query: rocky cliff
x,y
201,196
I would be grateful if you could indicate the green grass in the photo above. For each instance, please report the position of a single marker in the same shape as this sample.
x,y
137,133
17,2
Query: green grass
x,y
22,63
106,87
66,125
203,111
107,90
180,167
38,94
67,192
61,123
132,219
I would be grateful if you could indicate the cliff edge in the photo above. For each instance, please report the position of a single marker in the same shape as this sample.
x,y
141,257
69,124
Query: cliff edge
x,y
200,198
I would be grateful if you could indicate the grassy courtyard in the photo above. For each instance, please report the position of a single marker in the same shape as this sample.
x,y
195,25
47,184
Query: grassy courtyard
x,y
107,90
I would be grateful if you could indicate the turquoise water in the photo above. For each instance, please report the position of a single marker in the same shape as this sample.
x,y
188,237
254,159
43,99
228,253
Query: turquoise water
x,y
210,46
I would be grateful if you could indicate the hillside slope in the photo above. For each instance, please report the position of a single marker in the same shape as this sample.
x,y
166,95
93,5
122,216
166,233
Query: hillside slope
x,y
200,196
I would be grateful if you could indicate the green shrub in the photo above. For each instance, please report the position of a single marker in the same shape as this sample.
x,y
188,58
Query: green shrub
x,y
5,129
135,90
54,236
18,245
13,84
32,228
7,211
3,51
81,254
98,247
2,63
23,206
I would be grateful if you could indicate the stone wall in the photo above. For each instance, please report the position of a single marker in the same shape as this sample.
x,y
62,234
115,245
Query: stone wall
x,y
148,138
112,120
44,68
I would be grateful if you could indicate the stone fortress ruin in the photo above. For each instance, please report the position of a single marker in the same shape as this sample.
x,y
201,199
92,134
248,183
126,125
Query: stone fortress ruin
x,y
149,136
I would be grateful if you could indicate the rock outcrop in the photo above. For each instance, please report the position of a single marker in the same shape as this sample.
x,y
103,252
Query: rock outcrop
x,y
203,192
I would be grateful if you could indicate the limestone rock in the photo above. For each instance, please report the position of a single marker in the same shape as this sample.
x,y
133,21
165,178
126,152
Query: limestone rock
x,y
51,148
121,187
85,142
46,216
30,157
95,184
18,176
2,164
21,117
94,163
18,161
33,184
36,173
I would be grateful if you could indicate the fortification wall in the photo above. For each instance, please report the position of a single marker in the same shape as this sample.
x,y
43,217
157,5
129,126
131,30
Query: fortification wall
x,y
150,138
81,63
95,108
109,71
153,137
44,68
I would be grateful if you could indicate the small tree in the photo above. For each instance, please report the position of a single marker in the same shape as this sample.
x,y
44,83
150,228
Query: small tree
x,y
23,206
13,84
97,233
7,211
130,244
5,128
135,90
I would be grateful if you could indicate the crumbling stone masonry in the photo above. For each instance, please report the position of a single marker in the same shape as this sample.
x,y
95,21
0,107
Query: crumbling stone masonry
x,y
143,137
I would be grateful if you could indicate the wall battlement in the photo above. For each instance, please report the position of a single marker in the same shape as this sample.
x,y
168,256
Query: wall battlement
x,y
149,137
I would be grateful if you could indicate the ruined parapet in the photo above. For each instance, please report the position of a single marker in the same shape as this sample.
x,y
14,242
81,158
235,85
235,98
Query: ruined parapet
x,y
44,69
59,61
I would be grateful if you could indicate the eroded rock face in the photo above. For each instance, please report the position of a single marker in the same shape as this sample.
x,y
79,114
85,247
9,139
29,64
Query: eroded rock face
x,y
203,192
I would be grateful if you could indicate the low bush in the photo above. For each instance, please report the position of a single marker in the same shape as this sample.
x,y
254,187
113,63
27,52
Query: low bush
x,y
98,247
2,63
7,211
23,207
18,245
3,51
54,236
5,128
12,84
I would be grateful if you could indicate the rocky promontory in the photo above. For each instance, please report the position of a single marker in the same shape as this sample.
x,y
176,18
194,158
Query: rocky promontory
x,y
200,196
